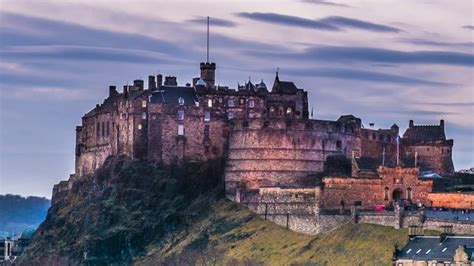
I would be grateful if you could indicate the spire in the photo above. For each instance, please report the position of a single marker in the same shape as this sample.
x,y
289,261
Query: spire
x,y
276,76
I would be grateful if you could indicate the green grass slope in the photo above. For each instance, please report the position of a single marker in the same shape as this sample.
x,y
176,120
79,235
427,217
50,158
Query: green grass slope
x,y
230,234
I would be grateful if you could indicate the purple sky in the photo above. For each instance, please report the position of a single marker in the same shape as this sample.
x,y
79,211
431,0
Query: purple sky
x,y
384,61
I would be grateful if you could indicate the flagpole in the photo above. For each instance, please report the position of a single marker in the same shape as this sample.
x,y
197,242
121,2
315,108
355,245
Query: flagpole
x,y
398,150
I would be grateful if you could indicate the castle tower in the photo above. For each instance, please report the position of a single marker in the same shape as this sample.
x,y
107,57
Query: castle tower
x,y
208,74
208,70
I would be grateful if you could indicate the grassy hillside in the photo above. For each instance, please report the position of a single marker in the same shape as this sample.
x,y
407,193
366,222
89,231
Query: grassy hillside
x,y
134,213
232,234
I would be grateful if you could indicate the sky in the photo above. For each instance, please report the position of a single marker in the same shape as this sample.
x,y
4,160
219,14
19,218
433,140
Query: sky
x,y
383,61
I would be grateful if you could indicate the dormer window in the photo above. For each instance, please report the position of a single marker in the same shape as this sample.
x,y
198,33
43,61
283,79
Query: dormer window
x,y
207,116
181,101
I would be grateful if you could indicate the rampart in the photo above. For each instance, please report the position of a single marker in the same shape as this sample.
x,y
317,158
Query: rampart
x,y
452,200
284,153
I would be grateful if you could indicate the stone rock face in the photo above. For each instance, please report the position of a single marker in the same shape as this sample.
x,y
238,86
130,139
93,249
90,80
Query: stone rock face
x,y
112,215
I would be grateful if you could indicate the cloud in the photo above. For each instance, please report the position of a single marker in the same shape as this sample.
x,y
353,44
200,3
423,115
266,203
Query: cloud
x,y
455,104
362,75
358,24
288,20
468,27
341,54
325,3
333,23
213,22
86,53
418,41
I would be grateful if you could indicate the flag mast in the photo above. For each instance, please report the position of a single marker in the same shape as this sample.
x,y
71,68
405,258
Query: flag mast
x,y
207,39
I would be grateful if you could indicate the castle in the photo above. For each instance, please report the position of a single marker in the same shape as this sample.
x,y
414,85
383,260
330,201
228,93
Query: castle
x,y
278,160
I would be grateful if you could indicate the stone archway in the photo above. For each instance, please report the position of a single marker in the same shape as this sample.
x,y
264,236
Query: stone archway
x,y
397,194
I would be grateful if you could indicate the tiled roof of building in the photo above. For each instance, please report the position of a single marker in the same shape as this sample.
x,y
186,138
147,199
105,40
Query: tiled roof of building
x,y
420,134
433,248
171,94
286,87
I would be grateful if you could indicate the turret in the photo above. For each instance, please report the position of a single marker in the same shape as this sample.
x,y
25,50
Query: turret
x,y
208,74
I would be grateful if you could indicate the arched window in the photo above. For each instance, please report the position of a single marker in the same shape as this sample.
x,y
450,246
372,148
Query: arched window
x,y
409,193
385,194
338,144
289,111
272,111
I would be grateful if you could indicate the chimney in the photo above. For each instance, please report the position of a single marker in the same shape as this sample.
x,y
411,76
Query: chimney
x,y
125,91
441,123
151,83
171,81
138,84
159,80
414,231
112,91
411,124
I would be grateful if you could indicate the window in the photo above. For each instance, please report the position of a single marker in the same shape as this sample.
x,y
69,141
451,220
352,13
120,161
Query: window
x,y
103,129
144,103
180,130
241,101
98,129
231,103
230,115
409,193
181,101
220,99
206,131
289,111
108,124
197,104
180,114
251,103
139,126
385,197
144,115
338,144
209,103
207,116
272,111
374,136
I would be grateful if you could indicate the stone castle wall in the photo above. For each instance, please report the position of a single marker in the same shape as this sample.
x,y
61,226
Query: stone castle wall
x,y
452,200
277,152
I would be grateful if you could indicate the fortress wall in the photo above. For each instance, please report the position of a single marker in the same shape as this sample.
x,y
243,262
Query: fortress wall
x,y
348,190
279,153
459,227
452,200
193,145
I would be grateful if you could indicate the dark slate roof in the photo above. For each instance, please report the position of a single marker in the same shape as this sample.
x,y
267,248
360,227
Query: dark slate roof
x,y
420,134
287,87
431,248
171,94
108,104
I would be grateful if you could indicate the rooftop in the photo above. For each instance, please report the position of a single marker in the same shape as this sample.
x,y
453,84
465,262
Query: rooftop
x,y
432,248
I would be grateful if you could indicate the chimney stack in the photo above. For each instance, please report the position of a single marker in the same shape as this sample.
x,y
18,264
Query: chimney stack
x,y
125,91
138,84
112,91
411,124
171,81
159,80
441,123
151,83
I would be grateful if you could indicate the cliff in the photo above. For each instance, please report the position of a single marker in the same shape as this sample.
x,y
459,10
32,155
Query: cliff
x,y
133,213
